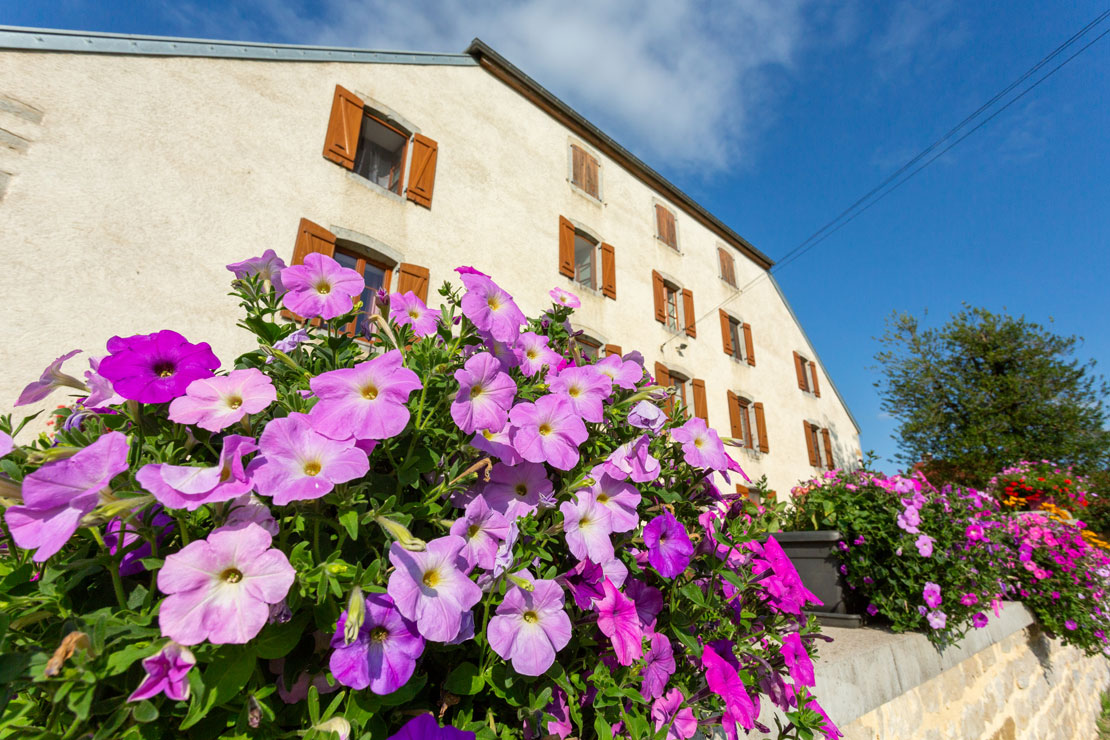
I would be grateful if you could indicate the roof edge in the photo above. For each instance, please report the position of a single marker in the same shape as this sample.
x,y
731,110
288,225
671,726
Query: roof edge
x,y
504,70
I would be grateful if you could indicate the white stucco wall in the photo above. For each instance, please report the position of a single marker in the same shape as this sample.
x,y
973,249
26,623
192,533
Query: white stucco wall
x,y
146,175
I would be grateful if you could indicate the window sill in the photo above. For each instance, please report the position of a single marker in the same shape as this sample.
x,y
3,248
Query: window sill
x,y
662,243
596,200
731,286
375,187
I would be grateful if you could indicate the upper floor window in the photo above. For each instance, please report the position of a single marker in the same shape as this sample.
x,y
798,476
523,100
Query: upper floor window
x,y
674,306
588,347
748,422
670,300
736,337
806,371
380,156
689,391
665,229
728,266
585,171
376,276
818,440
586,260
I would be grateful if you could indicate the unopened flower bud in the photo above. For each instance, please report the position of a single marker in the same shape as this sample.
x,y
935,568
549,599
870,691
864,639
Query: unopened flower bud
x,y
401,534
356,615
522,582
53,454
337,725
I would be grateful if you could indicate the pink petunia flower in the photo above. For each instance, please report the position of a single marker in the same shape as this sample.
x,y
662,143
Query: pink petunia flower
x,y
936,619
924,545
189,487
631,460
166,673
267,267
666,710
320,287
587,525
564,298
490,308
408,310
617,620
155,368
585,389
482,529
979,620
431,589
620,498
530,627
668,545
498,444
534,354
217,403
366,401
297,463
659,666
797,660
383,655
785,587
7,444
547,431
517,490
624,373
485,394
59,494
701,447
724,681
969,599
220,589
52,377
101,392
249,509
932,596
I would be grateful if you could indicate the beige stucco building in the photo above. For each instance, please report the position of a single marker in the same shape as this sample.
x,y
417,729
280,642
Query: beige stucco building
x,y
132,169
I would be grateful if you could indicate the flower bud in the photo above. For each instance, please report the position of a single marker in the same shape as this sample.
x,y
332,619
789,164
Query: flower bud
x,y
401,534
337,725
356,615
522,582
53,454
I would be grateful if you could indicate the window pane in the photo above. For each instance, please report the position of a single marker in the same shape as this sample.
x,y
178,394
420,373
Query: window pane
x,y
737,340
584,251
672,306
746,424
374,277
588,348
380,155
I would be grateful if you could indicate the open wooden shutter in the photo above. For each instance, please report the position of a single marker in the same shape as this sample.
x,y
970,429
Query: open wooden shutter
x,y
816,386
566,248
422,177
662,377
613,349
701,408
414,278
688,312
312,237
734,416
761,427
344,127
608,271
726,332
749,348
657,293
800,370
811,448
827,439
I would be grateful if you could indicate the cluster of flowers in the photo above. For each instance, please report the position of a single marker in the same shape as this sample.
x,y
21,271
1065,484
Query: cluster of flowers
x,y
454,516
1029,485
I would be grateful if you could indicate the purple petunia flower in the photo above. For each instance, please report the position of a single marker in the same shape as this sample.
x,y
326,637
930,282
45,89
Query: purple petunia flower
x,y
220,589
979,620
648,600
584,388
59,494
383,655
924,545
797,660
101,392
547,431
1070,624
120,535
909,519
587,525
166,673
936,619
516,490
188,487
408,310
621,499
490,308
534,354
564,298
668,545
872,609
969,599
701,447
482,529
931,594
249,509
297,463
646,415
430,588
659,666
52,377
290,342
366,401
267,267
485,394
217,403
631,460
7,444
617,620
724,681
624,373
785,587
530,627
155,368
320,287
498,444
666,711
584,583
425,727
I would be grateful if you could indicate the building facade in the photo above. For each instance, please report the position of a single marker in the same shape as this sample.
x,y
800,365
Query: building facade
x,y
132,169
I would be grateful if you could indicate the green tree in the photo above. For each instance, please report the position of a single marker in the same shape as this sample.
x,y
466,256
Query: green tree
x,y
986,390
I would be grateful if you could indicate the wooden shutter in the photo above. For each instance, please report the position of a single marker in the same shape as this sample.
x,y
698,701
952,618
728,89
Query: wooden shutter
x,y
608,271
414,278
657,293
613,349
566,248
816,386
422,177
734,416
591,170
688,312
728,271
662,377
665,227
800,370
761,427
578,166
701,408
726,332
828,449
312,237
344,126
749,348
811,448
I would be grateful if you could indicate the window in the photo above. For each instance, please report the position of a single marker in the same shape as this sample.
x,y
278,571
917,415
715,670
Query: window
x,y
585,260
749,423
816,439
746,435
668,296
690,391
380,156
588,347
806,371
376,276
585,171
728,266
736,338
665,229
682,391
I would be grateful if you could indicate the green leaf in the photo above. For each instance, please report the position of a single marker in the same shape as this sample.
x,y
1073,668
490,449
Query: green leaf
x,y
144,712
464,680
602,728
277,640
349,520
405,694
693,592
223,679
119,660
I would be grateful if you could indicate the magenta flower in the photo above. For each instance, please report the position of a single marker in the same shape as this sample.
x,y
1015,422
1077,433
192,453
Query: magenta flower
x,y
155,368
188,487
424,727
517,490
969,599
366,401
659,666
166,673
585,389
701,447
974,532
924,545
430,587
320,287
830,730
621,499
267,267
547,431
785,587
59,494
468,270
979,620
52,377
482,529
624,373
631,460
648,600
217,403
936,619
584,583
587,525
668,710
408,310
797,660
668,545
564,298
490,308
297,463
530,627
617,620
485,394
534,354
101,392
909,519
498,444
220,589
724,681
932,596
383,655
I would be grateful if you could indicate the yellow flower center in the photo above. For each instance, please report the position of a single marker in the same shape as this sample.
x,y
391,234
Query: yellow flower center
x,y
370,392
323,287
698,442
225,474
378,634
472,530
531,354
312,468
431,578
234,402
231,575
413,313
163,369
531,617
583,522
602,498
494,302
487,434
545,429
475,391
574,391
521,489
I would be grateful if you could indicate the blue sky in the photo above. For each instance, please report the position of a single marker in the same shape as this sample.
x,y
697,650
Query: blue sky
x,y
776,115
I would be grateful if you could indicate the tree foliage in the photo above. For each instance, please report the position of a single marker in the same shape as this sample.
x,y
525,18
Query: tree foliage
x,y
987,390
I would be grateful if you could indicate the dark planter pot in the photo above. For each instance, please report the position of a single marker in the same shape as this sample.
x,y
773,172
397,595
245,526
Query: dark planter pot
x,y
814,556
